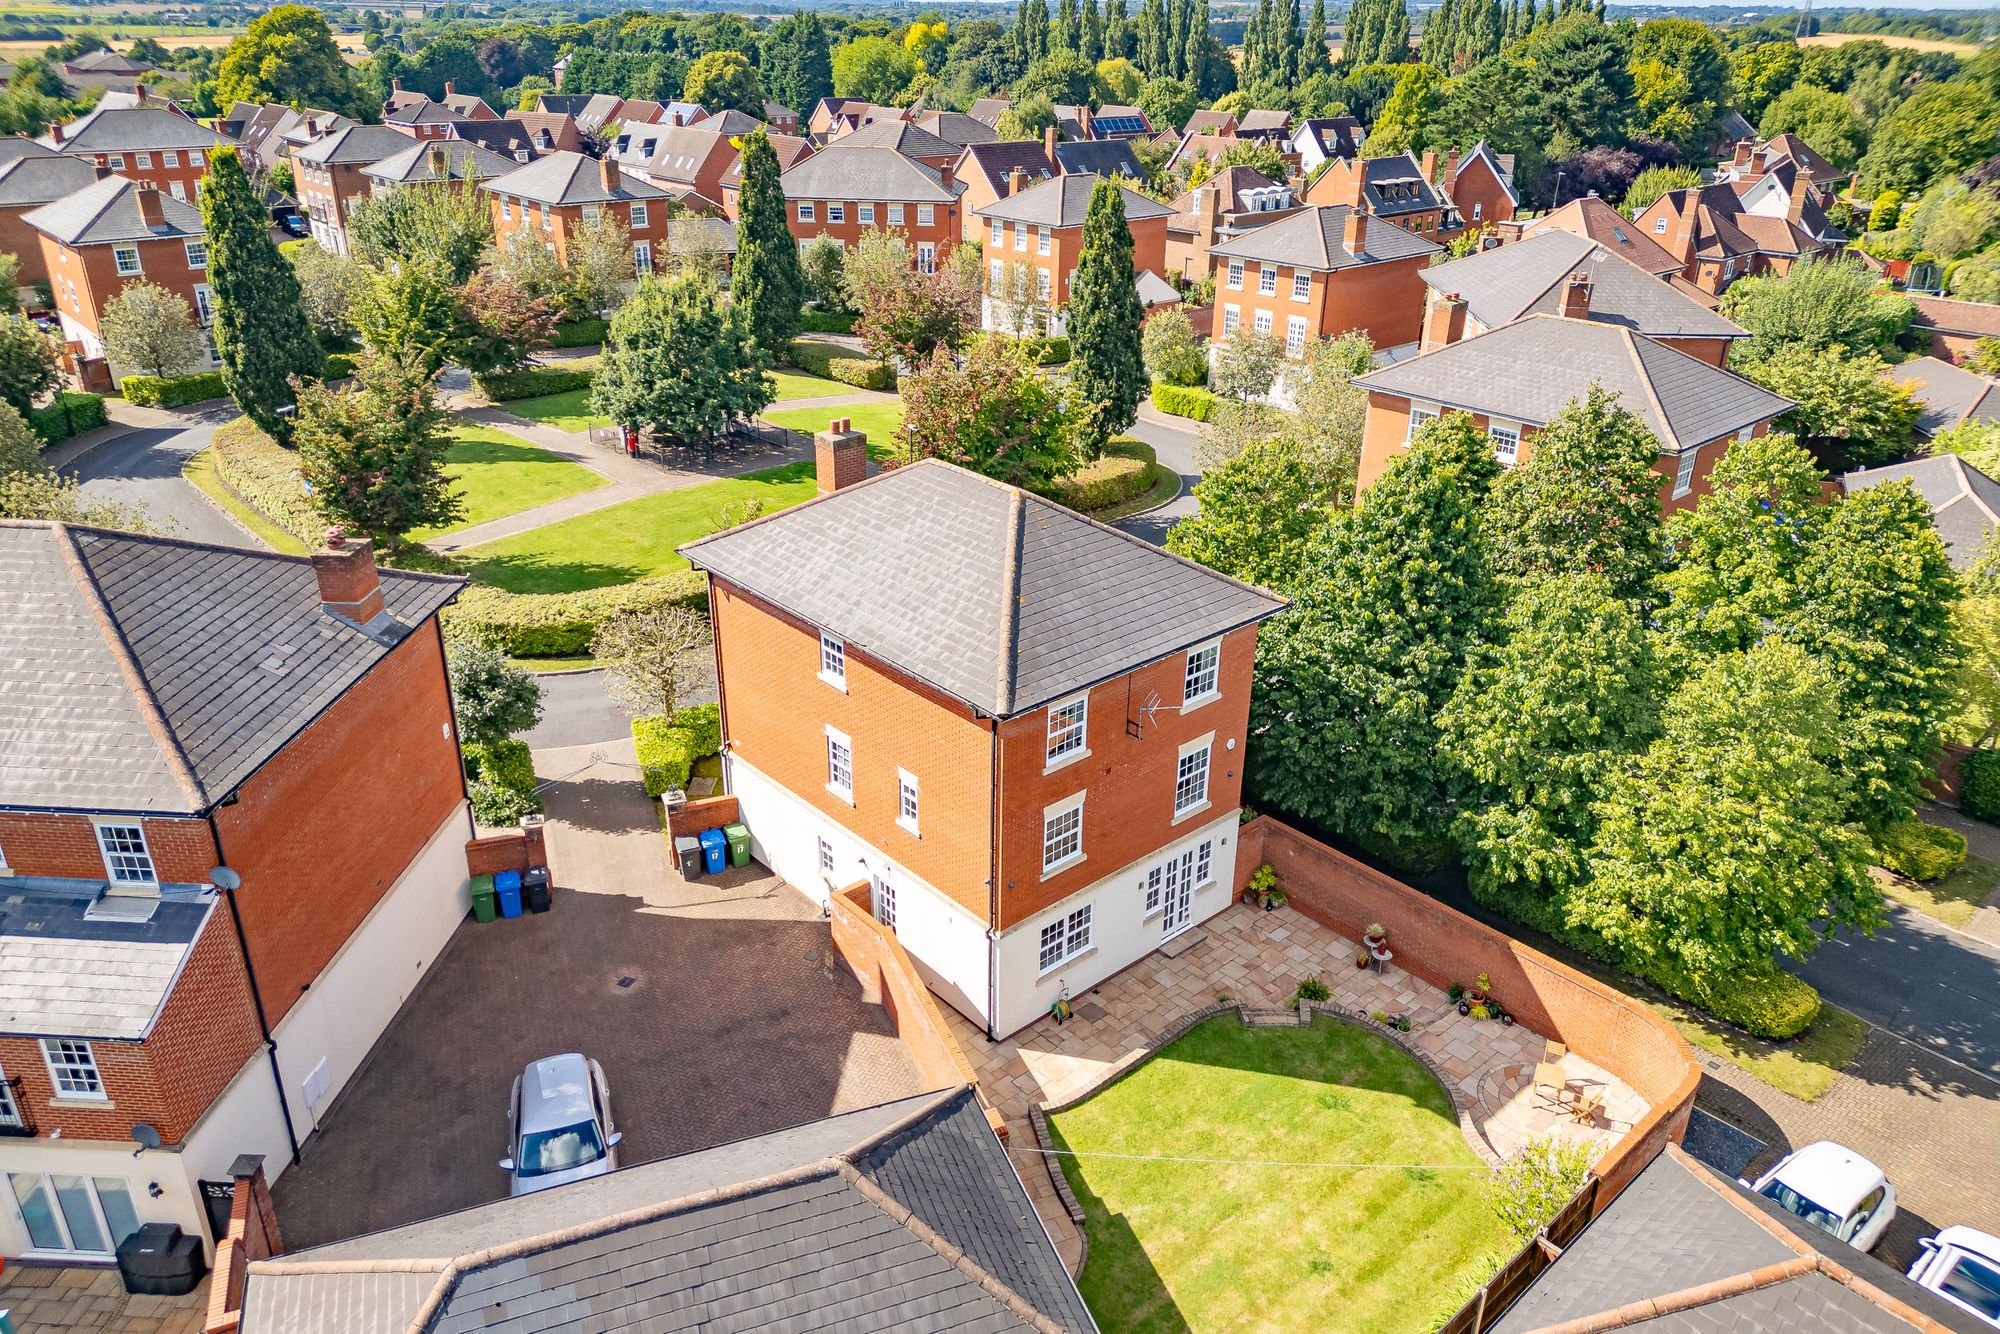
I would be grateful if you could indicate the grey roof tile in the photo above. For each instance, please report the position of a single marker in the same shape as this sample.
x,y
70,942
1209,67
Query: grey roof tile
x,y
133,129
1809,1304
419,162
76,964
353,144
1528,371
902,136
843,171
570,178
41,178
107,211
1502,284
1950,394
1314,238
1062,201
1965,502
1100,157
918,568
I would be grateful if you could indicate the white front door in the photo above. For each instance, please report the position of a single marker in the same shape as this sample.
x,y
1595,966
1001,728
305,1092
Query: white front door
x,y
926,257
73,1215
1179,900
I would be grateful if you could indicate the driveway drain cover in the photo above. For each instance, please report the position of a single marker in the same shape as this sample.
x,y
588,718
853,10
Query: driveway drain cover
x,y
627,981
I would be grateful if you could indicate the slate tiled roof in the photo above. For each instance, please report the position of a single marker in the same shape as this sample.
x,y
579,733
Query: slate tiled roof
x,y
353,145
1528,371
107,211
425,112
418,163
1217,123
1315,238
1977,319
1646,1264
146,674
996,160
997,598
1062,201
1263,122
1392,186
1528,277
956,127
1965,502
133,129
13,146
74,964
989,109
900,135
802,1229
1592,217
570,178
1100,157
1950,394
33,179
1337,136
846,171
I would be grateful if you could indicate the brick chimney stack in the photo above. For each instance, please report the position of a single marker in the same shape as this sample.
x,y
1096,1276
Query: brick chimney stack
x,y
1017,181
1444,320
1802,189
840,455
151,216
1049,147
395,85
1576,297
349,586
1355,235
1428,164
56,135
607,172
1744,148
440,163
450,88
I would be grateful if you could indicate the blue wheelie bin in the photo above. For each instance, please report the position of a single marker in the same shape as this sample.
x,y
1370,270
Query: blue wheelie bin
x,y
714,850
507,889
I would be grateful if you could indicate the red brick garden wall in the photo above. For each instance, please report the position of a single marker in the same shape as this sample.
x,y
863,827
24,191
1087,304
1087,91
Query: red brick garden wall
x,y
1443,946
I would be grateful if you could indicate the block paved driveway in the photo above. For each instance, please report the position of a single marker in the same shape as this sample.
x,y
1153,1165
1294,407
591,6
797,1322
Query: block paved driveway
x,y
715,1006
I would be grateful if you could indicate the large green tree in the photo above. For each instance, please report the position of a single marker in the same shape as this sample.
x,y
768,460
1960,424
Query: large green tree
x,y
260,327
288,55
1106,371
375,452
1826,120
680,362
150,329
1843,402
796,65
1942,128
725,81
767,282
1349,680
1586,501
990,412
873,69
1821,303
1680,77
28,363
1260,511
449,226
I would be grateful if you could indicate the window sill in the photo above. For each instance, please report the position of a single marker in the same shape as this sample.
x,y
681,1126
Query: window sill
x,y
1055,968
908,826
80,1102
845,794
1064,761
1199,702
837,682
1201,807
1067,863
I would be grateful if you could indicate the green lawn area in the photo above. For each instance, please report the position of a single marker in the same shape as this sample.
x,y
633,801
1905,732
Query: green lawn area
x,y
797,384
1371,1250
1951,900
567,411
879,420
633,540
499,474
1803,1066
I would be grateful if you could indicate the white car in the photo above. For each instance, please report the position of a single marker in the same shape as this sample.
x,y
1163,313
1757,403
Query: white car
x,y
559,1124
1833,1188
1962,1265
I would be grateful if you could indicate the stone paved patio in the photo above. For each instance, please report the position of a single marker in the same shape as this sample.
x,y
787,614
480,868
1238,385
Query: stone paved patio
x,y
50,1300
1256,958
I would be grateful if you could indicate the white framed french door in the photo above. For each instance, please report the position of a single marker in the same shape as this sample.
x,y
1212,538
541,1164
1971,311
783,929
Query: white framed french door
x,y
71,1215
1177,901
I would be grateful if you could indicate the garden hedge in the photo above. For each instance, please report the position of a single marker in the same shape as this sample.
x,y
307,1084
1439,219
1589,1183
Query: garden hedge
x,y
173,391
549,625
265,476
1181,401
501,782
581,333
339,365
1920,850
819,321
1769,1005
667,748
838,363
556,378
1979,785
72,412
1125,471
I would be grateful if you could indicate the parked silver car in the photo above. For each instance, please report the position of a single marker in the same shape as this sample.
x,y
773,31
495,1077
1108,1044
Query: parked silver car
x,y
559,1124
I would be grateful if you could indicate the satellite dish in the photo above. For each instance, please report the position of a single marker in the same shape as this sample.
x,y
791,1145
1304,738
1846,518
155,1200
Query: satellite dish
x,y
146,1136
225,877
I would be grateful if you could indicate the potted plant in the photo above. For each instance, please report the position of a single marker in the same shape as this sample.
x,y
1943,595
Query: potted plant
x,y
1361,959
1264,887
1456,992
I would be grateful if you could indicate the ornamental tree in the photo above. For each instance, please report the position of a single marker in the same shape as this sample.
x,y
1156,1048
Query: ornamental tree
x,y
649,656
28,365
1260,511
503,327
724,80
1171,349
448,225
260,327
768,282
288,55
1821,303
990,412
374,453
1106,371
491,698
905,314
151,328
1842,400
680,363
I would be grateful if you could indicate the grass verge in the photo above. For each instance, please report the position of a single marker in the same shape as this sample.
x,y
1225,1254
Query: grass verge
x,y
571,662
1166,485
567,411
200,470
1177,1245
1951,900
1804,1066
497,474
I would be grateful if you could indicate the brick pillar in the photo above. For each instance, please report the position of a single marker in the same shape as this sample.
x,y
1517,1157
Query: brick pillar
x,y
840,455
1444,321
349,586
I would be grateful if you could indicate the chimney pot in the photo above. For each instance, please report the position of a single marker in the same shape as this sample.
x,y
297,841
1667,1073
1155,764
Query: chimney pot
x,y
840,455
449,88
395,85
101,170
349,585
1355,235
1576,297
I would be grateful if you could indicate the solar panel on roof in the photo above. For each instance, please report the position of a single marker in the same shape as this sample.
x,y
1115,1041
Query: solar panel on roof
x,y
1121,125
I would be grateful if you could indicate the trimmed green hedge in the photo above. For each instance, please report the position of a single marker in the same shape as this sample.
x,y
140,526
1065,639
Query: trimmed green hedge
x,y
549,625
1979,785
339,365
668,747
818,321
1920,850
1181,401
581,333
1769,1005
500,780
172,391
837,363
72,412
265,476
1125,471
1051,351
556,378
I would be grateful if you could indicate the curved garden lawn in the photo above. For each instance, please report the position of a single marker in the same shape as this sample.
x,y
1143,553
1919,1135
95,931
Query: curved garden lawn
x,y
1200,1246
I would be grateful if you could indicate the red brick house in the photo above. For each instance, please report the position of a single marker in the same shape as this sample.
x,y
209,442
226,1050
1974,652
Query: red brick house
x,y
232,836
1321,272
110,233
29,180
552,196
1226,205
1395,189
161,146
1955,327
421,118
1032,241
327,176
846,189
1515,379
987,171
1719,236
1033,753
688,162
1593,218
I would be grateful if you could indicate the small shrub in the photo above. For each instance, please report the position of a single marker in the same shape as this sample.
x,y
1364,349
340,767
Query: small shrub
x,y
550,625
1531,1188
1054,350
820,321
1979,786
1183,401
1770,1005
1920,850
1125,471
72,412
837,363
1311,989
581,333
173,391
534,381
509,763
666,753
496,807
339,365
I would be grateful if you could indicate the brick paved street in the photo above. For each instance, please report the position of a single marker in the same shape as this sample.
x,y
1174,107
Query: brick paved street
x,y
715,1007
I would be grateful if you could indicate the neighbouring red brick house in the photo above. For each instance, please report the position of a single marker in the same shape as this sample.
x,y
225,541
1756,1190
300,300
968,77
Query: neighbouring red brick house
x,y
1321,272
552,196
845,189
28,180
1233,201
1034,239
327,176
232,836
1033,753
159,145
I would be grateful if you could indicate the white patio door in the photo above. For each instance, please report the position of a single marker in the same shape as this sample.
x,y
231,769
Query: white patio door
x,y
74,1215
1179,895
